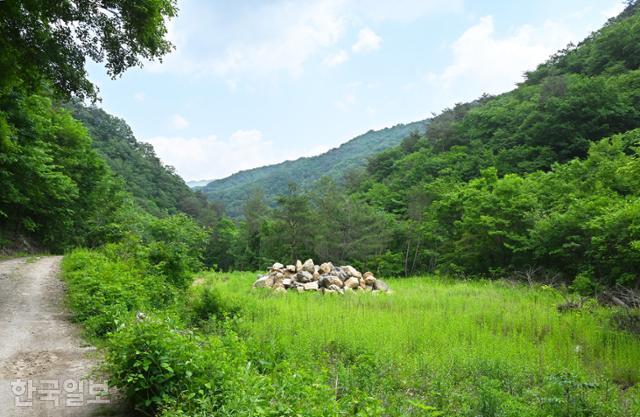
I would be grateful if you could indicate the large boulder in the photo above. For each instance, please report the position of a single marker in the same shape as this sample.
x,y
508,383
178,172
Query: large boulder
x,y
311,286
336,281
325,281
298,266
370,280
352,271
334,287
325,268
291,269
277,266
352,283
381,286
304,276
263,281
308,266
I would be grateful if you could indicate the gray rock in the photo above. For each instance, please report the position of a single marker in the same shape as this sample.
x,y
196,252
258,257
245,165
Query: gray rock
x,y
352,283
311,286
352,271
337,282
304,276
325,281
325,277
263,281
381,286
308,266
325,268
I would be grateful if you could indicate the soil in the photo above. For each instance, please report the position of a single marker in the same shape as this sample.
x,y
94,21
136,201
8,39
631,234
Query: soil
x,y
38,342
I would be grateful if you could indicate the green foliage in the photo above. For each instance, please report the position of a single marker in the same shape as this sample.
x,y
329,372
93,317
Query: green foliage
x,y
155,187
326,224
50,41
57,191
105,288
175,246
55,187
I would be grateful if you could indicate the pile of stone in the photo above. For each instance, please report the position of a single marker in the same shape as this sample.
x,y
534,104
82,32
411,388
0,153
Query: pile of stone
x,y
326,278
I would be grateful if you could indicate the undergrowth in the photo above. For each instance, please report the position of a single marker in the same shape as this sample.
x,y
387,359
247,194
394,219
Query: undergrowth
x,y
434,347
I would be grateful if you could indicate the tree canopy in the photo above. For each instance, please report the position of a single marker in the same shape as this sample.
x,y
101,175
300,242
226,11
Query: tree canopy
x,y
50,41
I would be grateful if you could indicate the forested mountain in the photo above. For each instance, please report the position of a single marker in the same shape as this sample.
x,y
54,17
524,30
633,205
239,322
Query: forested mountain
x,y
273,180
155,187
61,187
542,182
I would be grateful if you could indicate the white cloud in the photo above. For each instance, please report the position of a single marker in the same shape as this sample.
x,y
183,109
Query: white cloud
x,y
485,61
279,36
299,32
210,157
367,41
338,58
179,122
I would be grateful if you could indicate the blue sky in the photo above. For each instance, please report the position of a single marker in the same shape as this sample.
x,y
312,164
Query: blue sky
x,y
256,82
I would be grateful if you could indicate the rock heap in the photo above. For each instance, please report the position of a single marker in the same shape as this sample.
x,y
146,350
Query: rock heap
x,y
326,278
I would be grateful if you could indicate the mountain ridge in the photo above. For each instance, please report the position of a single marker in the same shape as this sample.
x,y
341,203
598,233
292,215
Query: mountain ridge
x,y
274,179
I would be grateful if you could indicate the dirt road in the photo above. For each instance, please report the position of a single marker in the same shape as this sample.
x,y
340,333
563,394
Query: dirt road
x,y
42,355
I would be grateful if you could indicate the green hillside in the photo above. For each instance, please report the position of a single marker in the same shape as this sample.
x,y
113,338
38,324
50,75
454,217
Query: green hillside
x,y
273,180
155,186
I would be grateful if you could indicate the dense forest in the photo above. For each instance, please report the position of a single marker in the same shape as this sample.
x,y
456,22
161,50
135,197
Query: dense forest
x,y
541,182
72,175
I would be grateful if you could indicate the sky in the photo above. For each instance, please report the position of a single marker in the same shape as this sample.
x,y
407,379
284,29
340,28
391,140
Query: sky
x,y
256,82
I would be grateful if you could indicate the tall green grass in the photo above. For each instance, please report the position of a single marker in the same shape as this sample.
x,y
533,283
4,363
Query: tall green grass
x,y
449,344
434,347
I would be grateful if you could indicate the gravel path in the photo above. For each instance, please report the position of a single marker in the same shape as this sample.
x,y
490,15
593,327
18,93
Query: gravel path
x,y
38,343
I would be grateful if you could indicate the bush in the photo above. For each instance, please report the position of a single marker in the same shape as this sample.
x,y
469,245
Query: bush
x,y
104,291
175,247
207,302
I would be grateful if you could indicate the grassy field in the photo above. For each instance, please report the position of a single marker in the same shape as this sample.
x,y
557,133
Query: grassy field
x,y
442,347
